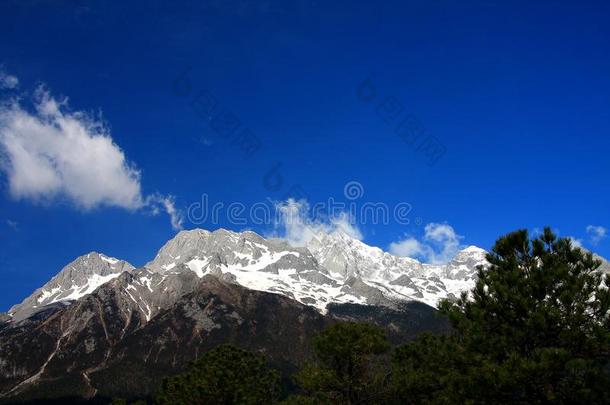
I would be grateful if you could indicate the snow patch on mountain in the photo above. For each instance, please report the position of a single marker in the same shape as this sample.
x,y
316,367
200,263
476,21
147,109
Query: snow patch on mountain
x,y
79,278
331,268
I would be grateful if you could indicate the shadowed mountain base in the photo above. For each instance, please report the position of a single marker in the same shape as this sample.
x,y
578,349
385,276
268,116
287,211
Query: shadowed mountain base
x,y
93,350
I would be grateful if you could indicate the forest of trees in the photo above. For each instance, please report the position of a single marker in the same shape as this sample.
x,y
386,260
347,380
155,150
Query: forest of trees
x,y
534,330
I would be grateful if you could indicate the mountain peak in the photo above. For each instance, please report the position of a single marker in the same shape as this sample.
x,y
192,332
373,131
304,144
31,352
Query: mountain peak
x,y
78,278
473,249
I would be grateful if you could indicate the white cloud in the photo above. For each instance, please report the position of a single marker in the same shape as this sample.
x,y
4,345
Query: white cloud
x,y
408,247
49,153
12,224
440,244
294,225
293,222
596,233
344,224
8,81
52,153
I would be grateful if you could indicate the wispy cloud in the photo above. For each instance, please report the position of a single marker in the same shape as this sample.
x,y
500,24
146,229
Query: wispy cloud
x,y
51,153
12,224
8,81
596,233
297,228
440,244
158,202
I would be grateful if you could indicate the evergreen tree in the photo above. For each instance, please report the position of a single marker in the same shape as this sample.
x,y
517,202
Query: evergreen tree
x,y
225,375
348,367
535,329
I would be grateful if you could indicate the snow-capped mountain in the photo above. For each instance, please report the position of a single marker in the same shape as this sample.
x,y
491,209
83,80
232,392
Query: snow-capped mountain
x,y
75,280
102,327
332,268
400,278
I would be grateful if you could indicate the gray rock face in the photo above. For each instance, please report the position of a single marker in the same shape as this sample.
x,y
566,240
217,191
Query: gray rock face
x,y
332,268
75,280
397,278
103,346
346,257
244,258
464,265
226,248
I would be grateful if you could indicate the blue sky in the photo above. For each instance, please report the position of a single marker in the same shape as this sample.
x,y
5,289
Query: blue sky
x,y
510,102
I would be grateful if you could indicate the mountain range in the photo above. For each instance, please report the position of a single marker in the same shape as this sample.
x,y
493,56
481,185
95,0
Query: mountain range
x,y
102,328
331,268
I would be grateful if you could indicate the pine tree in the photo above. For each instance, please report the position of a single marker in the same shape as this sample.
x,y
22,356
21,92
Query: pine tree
x,y
225,375
348,367
535,329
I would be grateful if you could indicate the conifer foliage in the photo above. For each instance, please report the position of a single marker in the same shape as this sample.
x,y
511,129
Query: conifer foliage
x,y
535,329
225,375
348,366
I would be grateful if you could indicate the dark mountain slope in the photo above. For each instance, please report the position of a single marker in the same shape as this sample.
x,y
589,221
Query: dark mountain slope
x,y
99,348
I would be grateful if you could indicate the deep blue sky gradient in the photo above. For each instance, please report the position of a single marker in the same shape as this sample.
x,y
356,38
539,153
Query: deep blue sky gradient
x,y
517,92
